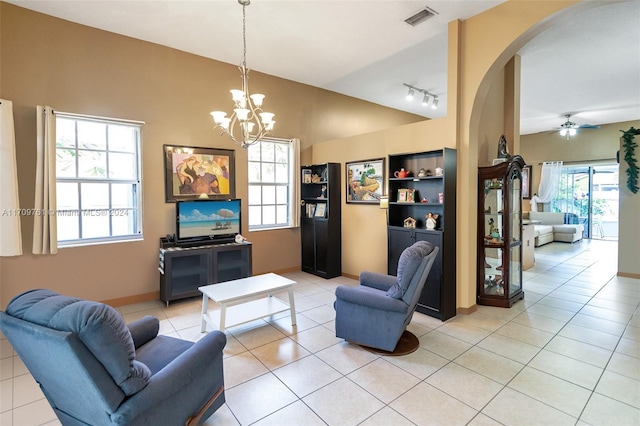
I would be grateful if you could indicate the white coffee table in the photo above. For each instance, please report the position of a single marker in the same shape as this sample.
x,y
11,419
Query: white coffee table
x,y
238,304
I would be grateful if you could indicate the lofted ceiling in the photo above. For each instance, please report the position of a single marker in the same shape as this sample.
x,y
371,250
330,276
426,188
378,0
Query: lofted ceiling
x,y
587,63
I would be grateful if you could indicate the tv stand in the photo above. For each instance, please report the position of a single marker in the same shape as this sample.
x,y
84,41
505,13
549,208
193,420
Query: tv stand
x,y
185,268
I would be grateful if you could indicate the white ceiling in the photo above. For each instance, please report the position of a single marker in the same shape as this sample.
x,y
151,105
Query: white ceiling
x,y
587,63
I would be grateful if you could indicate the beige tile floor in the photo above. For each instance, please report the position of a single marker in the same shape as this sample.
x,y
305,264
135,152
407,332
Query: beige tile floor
x,y
568,354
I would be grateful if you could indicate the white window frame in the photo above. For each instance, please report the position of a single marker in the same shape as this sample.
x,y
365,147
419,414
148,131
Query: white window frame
x,y
110,212
293,187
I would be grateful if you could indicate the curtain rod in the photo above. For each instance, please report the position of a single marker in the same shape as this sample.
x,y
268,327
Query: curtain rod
x,y
94,117
597,160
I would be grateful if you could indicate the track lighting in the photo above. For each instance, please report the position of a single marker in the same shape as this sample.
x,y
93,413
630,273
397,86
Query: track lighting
x,y
427,96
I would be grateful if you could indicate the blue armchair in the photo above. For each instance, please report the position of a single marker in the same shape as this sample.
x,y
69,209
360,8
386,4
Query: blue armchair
x,y
95,370
377,312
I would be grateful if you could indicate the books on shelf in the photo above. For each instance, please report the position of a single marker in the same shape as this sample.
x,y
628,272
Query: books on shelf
x,y
311,209
320,210
316,210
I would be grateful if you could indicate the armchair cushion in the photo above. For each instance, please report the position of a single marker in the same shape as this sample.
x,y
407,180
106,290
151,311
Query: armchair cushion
x,y
408,264
377,280
370,298
99,327
144,330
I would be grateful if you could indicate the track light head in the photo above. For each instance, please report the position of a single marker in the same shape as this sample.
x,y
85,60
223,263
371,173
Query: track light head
x,y
410,94
427,97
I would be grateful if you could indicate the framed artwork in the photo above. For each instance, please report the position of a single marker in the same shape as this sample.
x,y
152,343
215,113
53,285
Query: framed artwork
x,y
526,182
320,210
365,181
192,172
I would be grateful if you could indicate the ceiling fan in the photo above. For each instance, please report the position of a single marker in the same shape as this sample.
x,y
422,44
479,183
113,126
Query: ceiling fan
x,y
569,128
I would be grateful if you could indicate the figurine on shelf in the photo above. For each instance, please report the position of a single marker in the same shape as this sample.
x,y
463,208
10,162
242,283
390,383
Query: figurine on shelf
x,y
492,226
324,191
409,222
424,172
503,152
315,178
431,220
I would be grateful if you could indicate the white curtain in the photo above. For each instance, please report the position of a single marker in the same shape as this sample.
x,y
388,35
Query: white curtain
x,y
45,231
10,235
549,182
295,165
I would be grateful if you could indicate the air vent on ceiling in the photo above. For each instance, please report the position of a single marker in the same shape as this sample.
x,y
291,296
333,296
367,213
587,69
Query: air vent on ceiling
x,y
420,17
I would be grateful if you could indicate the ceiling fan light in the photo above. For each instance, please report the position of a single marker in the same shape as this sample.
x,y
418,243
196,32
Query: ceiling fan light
x,y
572,132
563,132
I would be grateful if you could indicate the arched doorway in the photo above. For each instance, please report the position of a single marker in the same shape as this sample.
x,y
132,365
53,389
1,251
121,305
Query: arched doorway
x,y
488,42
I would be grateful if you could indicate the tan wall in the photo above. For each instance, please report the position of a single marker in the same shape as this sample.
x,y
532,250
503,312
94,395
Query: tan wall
x,y
492,123
73,68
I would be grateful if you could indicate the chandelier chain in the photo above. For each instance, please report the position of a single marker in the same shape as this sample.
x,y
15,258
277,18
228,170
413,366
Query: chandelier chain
x,y
244,36
248,118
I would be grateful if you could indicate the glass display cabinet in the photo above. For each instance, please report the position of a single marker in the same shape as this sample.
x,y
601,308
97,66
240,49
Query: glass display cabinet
x,y
500,233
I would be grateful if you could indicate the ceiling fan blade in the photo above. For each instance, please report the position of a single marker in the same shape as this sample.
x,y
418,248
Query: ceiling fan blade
x,y
588,126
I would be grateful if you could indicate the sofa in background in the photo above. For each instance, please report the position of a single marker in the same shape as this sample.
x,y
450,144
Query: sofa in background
x,y
555,227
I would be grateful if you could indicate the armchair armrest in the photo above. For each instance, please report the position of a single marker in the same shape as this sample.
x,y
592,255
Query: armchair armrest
x,y
143,330
370,298
376,280
190,370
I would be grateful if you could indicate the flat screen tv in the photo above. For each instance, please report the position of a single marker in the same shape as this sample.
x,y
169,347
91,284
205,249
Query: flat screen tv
x,y
207,221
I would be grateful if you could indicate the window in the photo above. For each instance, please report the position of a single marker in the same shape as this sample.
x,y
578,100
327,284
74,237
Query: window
x,y
272,188
98,190
589,193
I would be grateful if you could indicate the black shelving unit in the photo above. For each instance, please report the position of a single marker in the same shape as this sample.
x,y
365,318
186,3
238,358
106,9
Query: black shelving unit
x,y
432,182
320,217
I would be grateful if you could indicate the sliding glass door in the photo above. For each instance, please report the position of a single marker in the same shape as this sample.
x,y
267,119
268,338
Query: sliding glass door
x,y
588,194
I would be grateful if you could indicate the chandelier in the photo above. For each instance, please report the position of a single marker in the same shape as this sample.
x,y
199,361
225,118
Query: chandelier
x,y
247,114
